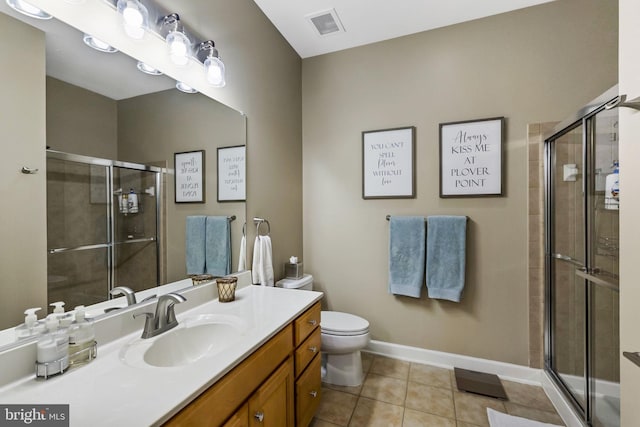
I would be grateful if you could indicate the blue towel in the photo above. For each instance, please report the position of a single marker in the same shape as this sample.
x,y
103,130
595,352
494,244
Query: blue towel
x,y
446,243
218,246
406,255
195,244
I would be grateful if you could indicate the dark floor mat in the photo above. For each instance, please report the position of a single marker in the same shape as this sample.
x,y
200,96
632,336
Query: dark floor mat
x,y
480,383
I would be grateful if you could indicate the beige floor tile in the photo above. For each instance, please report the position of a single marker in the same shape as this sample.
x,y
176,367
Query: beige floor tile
x,y
390,367
528,395
463,424
472,408
321,423
430,375
372,413
533,414
336,407
347,389
421,419
434,400
385,389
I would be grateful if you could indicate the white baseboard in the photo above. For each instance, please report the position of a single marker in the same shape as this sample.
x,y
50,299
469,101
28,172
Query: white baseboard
x,y
506,371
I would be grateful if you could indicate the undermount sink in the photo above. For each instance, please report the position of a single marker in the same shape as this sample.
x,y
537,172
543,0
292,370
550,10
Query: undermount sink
x,y
193,339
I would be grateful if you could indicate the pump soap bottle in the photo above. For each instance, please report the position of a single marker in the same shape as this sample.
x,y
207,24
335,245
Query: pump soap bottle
x,y
612,188
31,326
82,345
52,350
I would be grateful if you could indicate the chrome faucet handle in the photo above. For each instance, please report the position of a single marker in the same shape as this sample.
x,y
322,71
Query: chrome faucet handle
x,y
149,324
127,292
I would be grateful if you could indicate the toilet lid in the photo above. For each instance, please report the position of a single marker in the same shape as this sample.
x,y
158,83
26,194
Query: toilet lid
x,y
338,323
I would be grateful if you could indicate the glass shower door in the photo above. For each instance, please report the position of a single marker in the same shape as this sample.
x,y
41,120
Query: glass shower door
x,y
79,250
568,254
135,228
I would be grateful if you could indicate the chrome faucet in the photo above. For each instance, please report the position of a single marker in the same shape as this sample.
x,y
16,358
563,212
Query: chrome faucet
x,y
164,317
127,292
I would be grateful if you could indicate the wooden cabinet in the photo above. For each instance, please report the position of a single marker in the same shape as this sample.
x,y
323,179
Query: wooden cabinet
x,y
307,365
276,386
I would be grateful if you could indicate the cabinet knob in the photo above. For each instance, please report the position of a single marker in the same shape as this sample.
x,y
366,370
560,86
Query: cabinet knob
x,y
313,393
313,322
313,349
259,416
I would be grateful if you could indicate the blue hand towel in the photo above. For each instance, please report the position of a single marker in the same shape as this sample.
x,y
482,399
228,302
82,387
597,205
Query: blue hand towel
x,y
406,255
446,243
218,246
195,244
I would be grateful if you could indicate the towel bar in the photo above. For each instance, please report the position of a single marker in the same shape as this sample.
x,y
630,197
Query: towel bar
x,y
389,217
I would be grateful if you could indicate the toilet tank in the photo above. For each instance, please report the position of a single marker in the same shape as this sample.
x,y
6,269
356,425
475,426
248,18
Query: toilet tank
x,y
305,283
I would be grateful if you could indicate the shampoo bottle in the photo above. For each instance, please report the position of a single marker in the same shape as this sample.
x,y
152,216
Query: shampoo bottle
x,y
612,189
82,348
31,326
52,349
132,201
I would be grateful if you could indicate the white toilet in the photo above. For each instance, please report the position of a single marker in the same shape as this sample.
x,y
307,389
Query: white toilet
x,y
343,336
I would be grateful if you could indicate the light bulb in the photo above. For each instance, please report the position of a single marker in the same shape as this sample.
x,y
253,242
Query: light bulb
x,y
214,70
134,18
179,46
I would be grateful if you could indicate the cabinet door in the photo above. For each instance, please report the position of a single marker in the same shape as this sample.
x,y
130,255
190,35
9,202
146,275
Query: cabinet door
x,y
240,418
308,393
272,404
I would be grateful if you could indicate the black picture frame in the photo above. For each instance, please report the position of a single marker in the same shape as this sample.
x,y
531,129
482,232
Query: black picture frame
x,y
190,168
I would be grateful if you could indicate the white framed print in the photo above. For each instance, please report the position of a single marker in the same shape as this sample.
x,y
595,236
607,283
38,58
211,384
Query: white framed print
x,y
388,163
471,158
232,174
189,169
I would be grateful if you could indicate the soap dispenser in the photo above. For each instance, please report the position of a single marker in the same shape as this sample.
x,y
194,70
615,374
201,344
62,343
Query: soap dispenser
x,y
82,344
132,201
52,351
31,326
58,307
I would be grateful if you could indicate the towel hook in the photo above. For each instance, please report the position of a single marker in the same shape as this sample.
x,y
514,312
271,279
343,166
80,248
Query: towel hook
x,y
259,222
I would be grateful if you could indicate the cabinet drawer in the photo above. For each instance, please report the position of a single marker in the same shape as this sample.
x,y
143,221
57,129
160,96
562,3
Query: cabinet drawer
x,y
307,351
306,323
308,393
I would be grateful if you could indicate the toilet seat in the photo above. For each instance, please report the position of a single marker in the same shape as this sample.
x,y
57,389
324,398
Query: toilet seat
x,y
342,324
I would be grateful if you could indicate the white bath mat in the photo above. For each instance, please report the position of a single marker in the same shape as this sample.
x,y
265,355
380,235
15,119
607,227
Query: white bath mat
x,y
498,419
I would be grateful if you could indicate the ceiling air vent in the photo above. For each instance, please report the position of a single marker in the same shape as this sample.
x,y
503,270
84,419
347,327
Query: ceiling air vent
x,y
326,22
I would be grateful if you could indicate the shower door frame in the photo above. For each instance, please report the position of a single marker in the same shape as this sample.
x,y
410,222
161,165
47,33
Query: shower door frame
x,y
582,118
110,210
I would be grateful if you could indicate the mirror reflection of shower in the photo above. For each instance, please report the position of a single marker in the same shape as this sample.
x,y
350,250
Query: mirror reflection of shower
x,y
103,228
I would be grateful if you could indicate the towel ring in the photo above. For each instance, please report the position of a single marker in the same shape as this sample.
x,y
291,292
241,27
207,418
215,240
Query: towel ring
x,y
259,222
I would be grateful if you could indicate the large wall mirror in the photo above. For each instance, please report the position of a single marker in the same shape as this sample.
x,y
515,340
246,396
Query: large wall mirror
x,y
100,108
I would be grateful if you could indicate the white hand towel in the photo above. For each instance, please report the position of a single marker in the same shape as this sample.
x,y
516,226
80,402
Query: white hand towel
x,y
262,270
243,254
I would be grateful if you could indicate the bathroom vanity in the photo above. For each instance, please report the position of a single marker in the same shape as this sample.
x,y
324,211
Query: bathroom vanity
x,y
253,360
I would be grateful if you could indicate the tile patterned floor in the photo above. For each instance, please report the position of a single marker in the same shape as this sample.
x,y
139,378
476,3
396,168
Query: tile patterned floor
x,y
396,393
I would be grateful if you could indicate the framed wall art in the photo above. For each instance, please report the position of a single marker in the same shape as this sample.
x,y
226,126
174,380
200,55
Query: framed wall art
x,y
190,172
471,158
232,174
388,163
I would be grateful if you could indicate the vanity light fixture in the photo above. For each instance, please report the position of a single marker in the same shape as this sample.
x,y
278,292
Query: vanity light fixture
x,y
183,87
28,9
135,18
178,43
148,69
98,44
213,66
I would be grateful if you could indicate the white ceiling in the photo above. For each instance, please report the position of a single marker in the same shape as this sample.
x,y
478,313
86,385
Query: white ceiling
x,y
370,21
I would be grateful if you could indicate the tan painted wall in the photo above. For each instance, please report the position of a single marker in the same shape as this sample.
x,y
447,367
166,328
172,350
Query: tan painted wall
x,y
80,121
629,211
23,233
532,65
154,127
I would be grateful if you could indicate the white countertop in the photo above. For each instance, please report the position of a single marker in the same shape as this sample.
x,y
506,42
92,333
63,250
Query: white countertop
x,y
110,391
